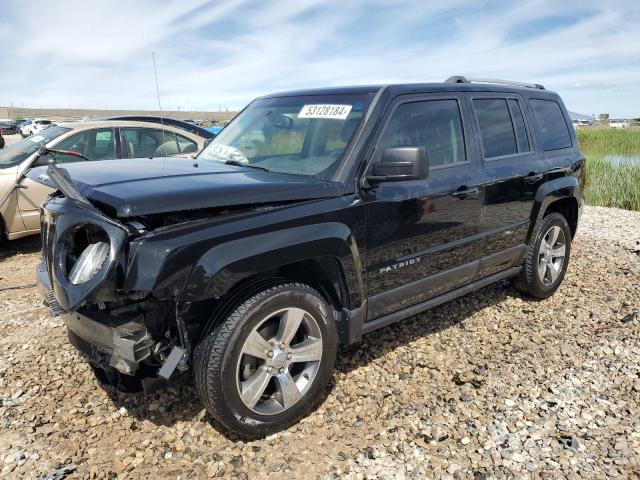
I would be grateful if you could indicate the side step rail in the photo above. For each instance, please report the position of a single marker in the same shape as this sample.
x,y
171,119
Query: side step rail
x,y
434,302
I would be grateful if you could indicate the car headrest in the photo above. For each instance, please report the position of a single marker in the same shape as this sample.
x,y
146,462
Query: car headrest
x,y
169,147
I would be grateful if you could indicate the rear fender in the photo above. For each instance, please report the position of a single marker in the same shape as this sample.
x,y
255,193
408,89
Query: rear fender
x,y
550,192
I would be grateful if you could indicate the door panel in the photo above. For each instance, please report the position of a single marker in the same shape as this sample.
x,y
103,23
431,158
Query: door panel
x,y
513,173
419,229
11,215
30,196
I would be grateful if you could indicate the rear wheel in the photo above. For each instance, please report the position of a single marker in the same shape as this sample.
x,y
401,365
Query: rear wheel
x,y
547,258
266,365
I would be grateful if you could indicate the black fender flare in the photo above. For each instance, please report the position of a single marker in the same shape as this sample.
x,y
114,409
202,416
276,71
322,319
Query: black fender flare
x,y
549,192
221,267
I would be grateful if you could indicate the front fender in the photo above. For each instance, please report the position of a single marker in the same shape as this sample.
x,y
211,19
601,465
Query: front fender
x,y
221,267
186,269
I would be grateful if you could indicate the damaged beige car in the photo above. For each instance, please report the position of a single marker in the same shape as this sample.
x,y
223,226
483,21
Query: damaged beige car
x,y
21,197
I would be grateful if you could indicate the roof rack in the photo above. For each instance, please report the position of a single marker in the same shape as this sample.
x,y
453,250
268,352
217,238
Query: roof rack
x,y
461,79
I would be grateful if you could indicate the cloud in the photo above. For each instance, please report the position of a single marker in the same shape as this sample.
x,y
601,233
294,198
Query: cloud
x,y
210,54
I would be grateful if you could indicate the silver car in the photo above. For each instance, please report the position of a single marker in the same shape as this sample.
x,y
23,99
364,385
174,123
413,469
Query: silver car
x,y
20,198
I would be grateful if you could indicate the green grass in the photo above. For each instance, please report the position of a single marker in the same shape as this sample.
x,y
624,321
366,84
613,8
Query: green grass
x,y
611,185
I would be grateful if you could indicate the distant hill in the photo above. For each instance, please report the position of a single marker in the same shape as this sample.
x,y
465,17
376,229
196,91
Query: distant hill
x,y
60,114
579,116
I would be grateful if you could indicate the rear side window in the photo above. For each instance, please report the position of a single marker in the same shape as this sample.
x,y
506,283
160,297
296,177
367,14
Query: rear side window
x,y
496,128
553,128
154,142
433,124
186,145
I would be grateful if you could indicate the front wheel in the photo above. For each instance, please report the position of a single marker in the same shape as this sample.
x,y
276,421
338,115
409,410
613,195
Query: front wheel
x,y
266,365
547,258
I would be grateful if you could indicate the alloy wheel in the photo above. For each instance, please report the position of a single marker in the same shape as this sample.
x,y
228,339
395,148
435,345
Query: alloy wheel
x,y
279,361
551,255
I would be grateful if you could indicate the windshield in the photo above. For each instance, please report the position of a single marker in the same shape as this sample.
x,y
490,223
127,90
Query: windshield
x,y
303,135
16,153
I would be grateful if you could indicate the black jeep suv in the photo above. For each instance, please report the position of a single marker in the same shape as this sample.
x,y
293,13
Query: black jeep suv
x,y
313,218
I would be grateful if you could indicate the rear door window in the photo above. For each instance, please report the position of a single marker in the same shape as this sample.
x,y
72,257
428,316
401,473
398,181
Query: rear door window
x,y
496,128
522,136
553,128
433,124
186,145
151,142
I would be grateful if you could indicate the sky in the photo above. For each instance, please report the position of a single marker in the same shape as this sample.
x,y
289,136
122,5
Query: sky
x,y
212,54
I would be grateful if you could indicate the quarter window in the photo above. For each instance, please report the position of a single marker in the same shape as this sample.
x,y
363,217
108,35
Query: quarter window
x,y
553,128
433,124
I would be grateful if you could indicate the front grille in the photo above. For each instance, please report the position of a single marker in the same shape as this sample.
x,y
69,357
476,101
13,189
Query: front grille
x,y
94,355
83,346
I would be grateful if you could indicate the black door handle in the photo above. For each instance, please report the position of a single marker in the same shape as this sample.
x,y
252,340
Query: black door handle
x,y
533,177
464,192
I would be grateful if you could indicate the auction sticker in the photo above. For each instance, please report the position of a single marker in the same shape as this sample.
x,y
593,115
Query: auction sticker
x,y
325,111
36,138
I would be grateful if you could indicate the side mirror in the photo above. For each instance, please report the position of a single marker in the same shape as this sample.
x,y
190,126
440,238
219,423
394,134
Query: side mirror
x,y
400,164
45,160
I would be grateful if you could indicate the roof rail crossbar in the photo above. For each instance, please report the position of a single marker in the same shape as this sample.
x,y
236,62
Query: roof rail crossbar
x,y
461,79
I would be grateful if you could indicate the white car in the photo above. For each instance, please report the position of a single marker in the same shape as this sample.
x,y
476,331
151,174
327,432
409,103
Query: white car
x,y
619,124
34,126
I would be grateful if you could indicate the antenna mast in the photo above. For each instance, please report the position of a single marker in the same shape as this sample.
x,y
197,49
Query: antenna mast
x,y
155,71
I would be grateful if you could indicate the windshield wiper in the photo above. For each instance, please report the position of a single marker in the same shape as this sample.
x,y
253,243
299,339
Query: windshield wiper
x,y
236,163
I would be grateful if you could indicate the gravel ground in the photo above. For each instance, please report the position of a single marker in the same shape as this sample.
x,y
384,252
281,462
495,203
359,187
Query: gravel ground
x,y
491,385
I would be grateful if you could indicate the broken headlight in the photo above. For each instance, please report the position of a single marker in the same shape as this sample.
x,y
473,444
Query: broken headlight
x,y
89,263
87,252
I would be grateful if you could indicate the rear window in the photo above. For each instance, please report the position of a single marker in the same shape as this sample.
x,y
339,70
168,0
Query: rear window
x,y
553,128
44,122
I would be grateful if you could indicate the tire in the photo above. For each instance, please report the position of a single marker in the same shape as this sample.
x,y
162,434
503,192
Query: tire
x,y
223,368
1,141
531,280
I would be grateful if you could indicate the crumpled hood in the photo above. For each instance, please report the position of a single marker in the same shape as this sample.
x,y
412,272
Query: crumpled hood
x,y
146,186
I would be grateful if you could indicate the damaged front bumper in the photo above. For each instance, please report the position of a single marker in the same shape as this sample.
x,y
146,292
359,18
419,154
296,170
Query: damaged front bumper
x,y
108,342
119,332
